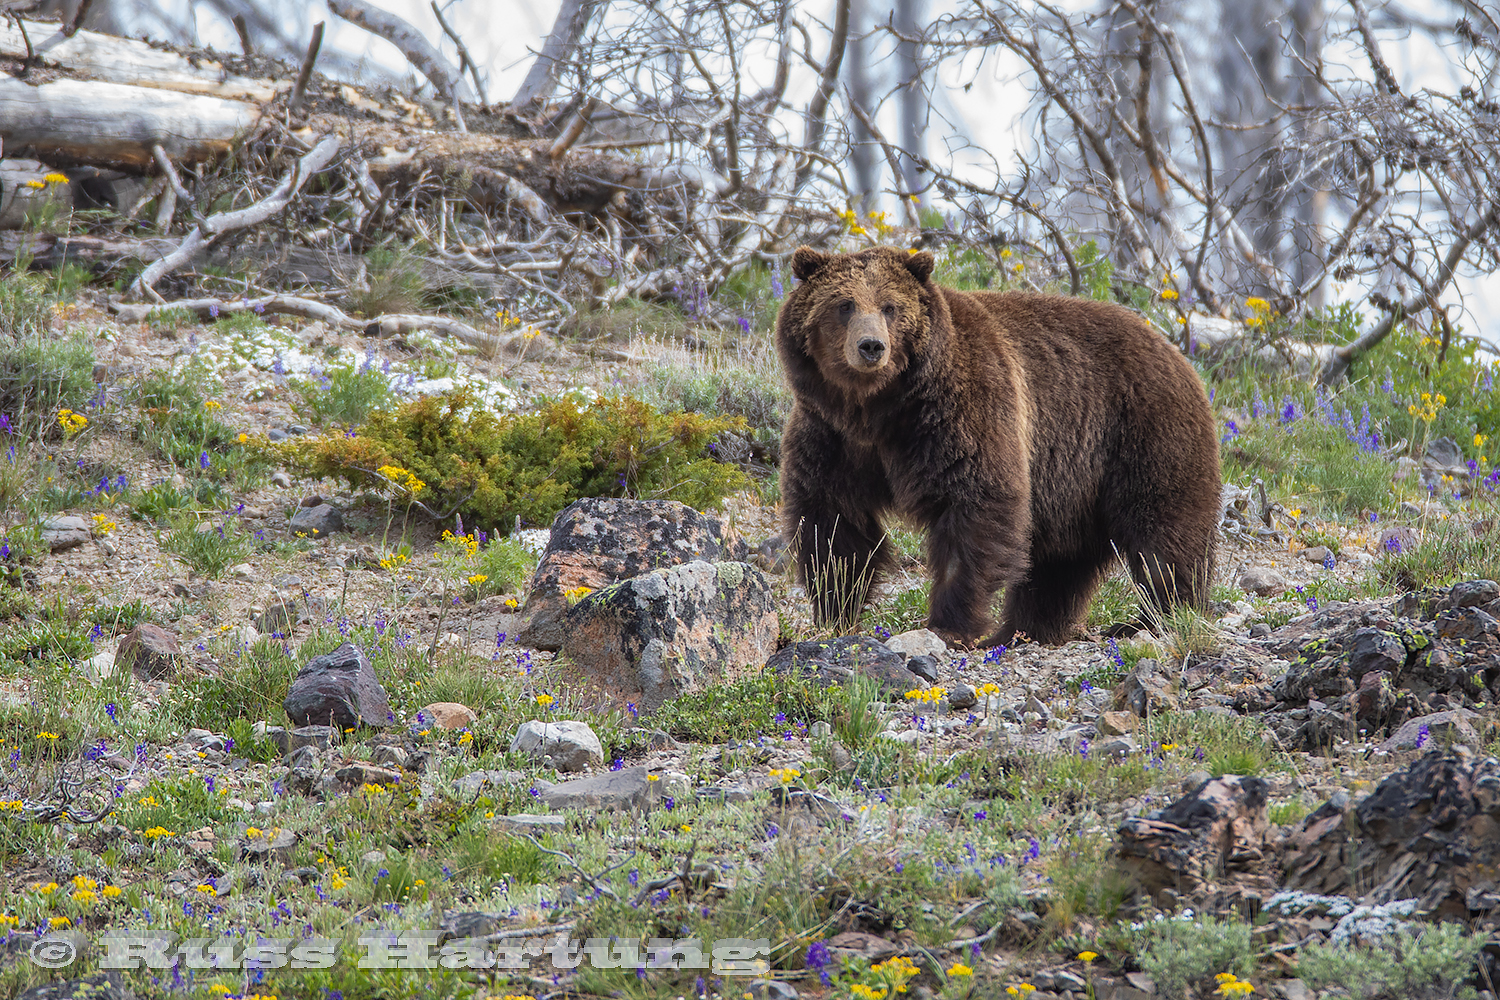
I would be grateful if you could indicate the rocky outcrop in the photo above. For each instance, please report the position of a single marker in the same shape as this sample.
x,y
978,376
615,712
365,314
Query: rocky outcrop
x,y
600,541
1216,830
1430,832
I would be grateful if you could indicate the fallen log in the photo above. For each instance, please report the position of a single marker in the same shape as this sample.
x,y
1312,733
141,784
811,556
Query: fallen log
x,y
111,124
387,325
111,59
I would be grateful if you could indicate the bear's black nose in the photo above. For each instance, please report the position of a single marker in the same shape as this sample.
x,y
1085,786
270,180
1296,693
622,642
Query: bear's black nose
x,y
871,349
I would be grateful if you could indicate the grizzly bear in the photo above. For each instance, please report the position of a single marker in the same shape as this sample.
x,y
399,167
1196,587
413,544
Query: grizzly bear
x,y
1036,438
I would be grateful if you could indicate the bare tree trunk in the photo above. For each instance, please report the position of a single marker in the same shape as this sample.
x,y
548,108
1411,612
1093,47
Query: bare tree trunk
x,y
1311,194
863,157
913,104
567,31
446,80
1252,84
817,108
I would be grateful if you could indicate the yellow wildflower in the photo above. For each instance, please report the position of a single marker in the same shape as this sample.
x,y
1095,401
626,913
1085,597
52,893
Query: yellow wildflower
x,y
243,437
36,185
1479,440
47,736
1258,305
545,700
60,922
1087,956
1169,294
785,775
477,579
55,178
960,969
110,891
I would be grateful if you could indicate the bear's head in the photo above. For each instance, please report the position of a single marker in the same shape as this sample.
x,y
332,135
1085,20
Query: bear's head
x,y
857,317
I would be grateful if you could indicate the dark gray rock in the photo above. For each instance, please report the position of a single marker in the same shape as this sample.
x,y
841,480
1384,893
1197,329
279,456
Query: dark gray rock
x,y
359,773
962,698
339,689
925,667
95,986
834,661
628,788
317,522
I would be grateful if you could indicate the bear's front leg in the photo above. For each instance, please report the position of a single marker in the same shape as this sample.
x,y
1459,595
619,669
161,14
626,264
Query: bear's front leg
x,y
971,557
832,496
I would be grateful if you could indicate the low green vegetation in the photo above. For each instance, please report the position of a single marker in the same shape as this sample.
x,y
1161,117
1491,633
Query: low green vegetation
x,y
500,470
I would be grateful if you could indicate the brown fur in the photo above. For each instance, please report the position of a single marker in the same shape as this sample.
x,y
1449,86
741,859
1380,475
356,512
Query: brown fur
x,y
1031,436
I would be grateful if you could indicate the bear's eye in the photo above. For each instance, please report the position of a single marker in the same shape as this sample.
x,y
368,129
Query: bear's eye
x,y
846,307
889,310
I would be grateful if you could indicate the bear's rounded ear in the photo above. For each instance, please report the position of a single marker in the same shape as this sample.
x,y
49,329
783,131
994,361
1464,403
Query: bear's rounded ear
x,y
920,264
807,262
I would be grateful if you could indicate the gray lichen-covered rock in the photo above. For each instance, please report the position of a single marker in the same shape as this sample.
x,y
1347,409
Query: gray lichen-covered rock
x,y
567,745
659,635
338,689
65,531
599,541
316,522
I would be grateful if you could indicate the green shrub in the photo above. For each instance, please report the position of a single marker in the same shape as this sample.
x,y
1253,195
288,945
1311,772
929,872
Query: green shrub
x,y
1428,964
1184,955
181,422
1448,552
496,469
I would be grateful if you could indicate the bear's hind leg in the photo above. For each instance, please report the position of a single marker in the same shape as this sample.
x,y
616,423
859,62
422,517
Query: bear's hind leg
x,y
1048,605
839,565
1171,575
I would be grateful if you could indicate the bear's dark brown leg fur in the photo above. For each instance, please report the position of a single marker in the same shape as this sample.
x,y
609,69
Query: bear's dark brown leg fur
x,y
969,561
832,501
1048,605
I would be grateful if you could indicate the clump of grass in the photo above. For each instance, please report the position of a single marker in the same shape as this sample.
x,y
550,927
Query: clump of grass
x,y
1221,744
500,469
1114,603
40,375
208,548
344,394
392,282
629,320
1447,552
745,709
904,611
857,724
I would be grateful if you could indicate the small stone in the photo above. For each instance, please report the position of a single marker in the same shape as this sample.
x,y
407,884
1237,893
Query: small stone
x,y
274,843
451,715
242,571
1316,554
1261,580
150,652
925,667
277,434
628,788
317,522
1114,723
1120,746
568,745
1259,630
962,697
65,531
918,642
820,730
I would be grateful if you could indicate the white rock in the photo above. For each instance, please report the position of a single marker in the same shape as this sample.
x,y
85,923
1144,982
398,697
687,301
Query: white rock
x,y
570,745
918,642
